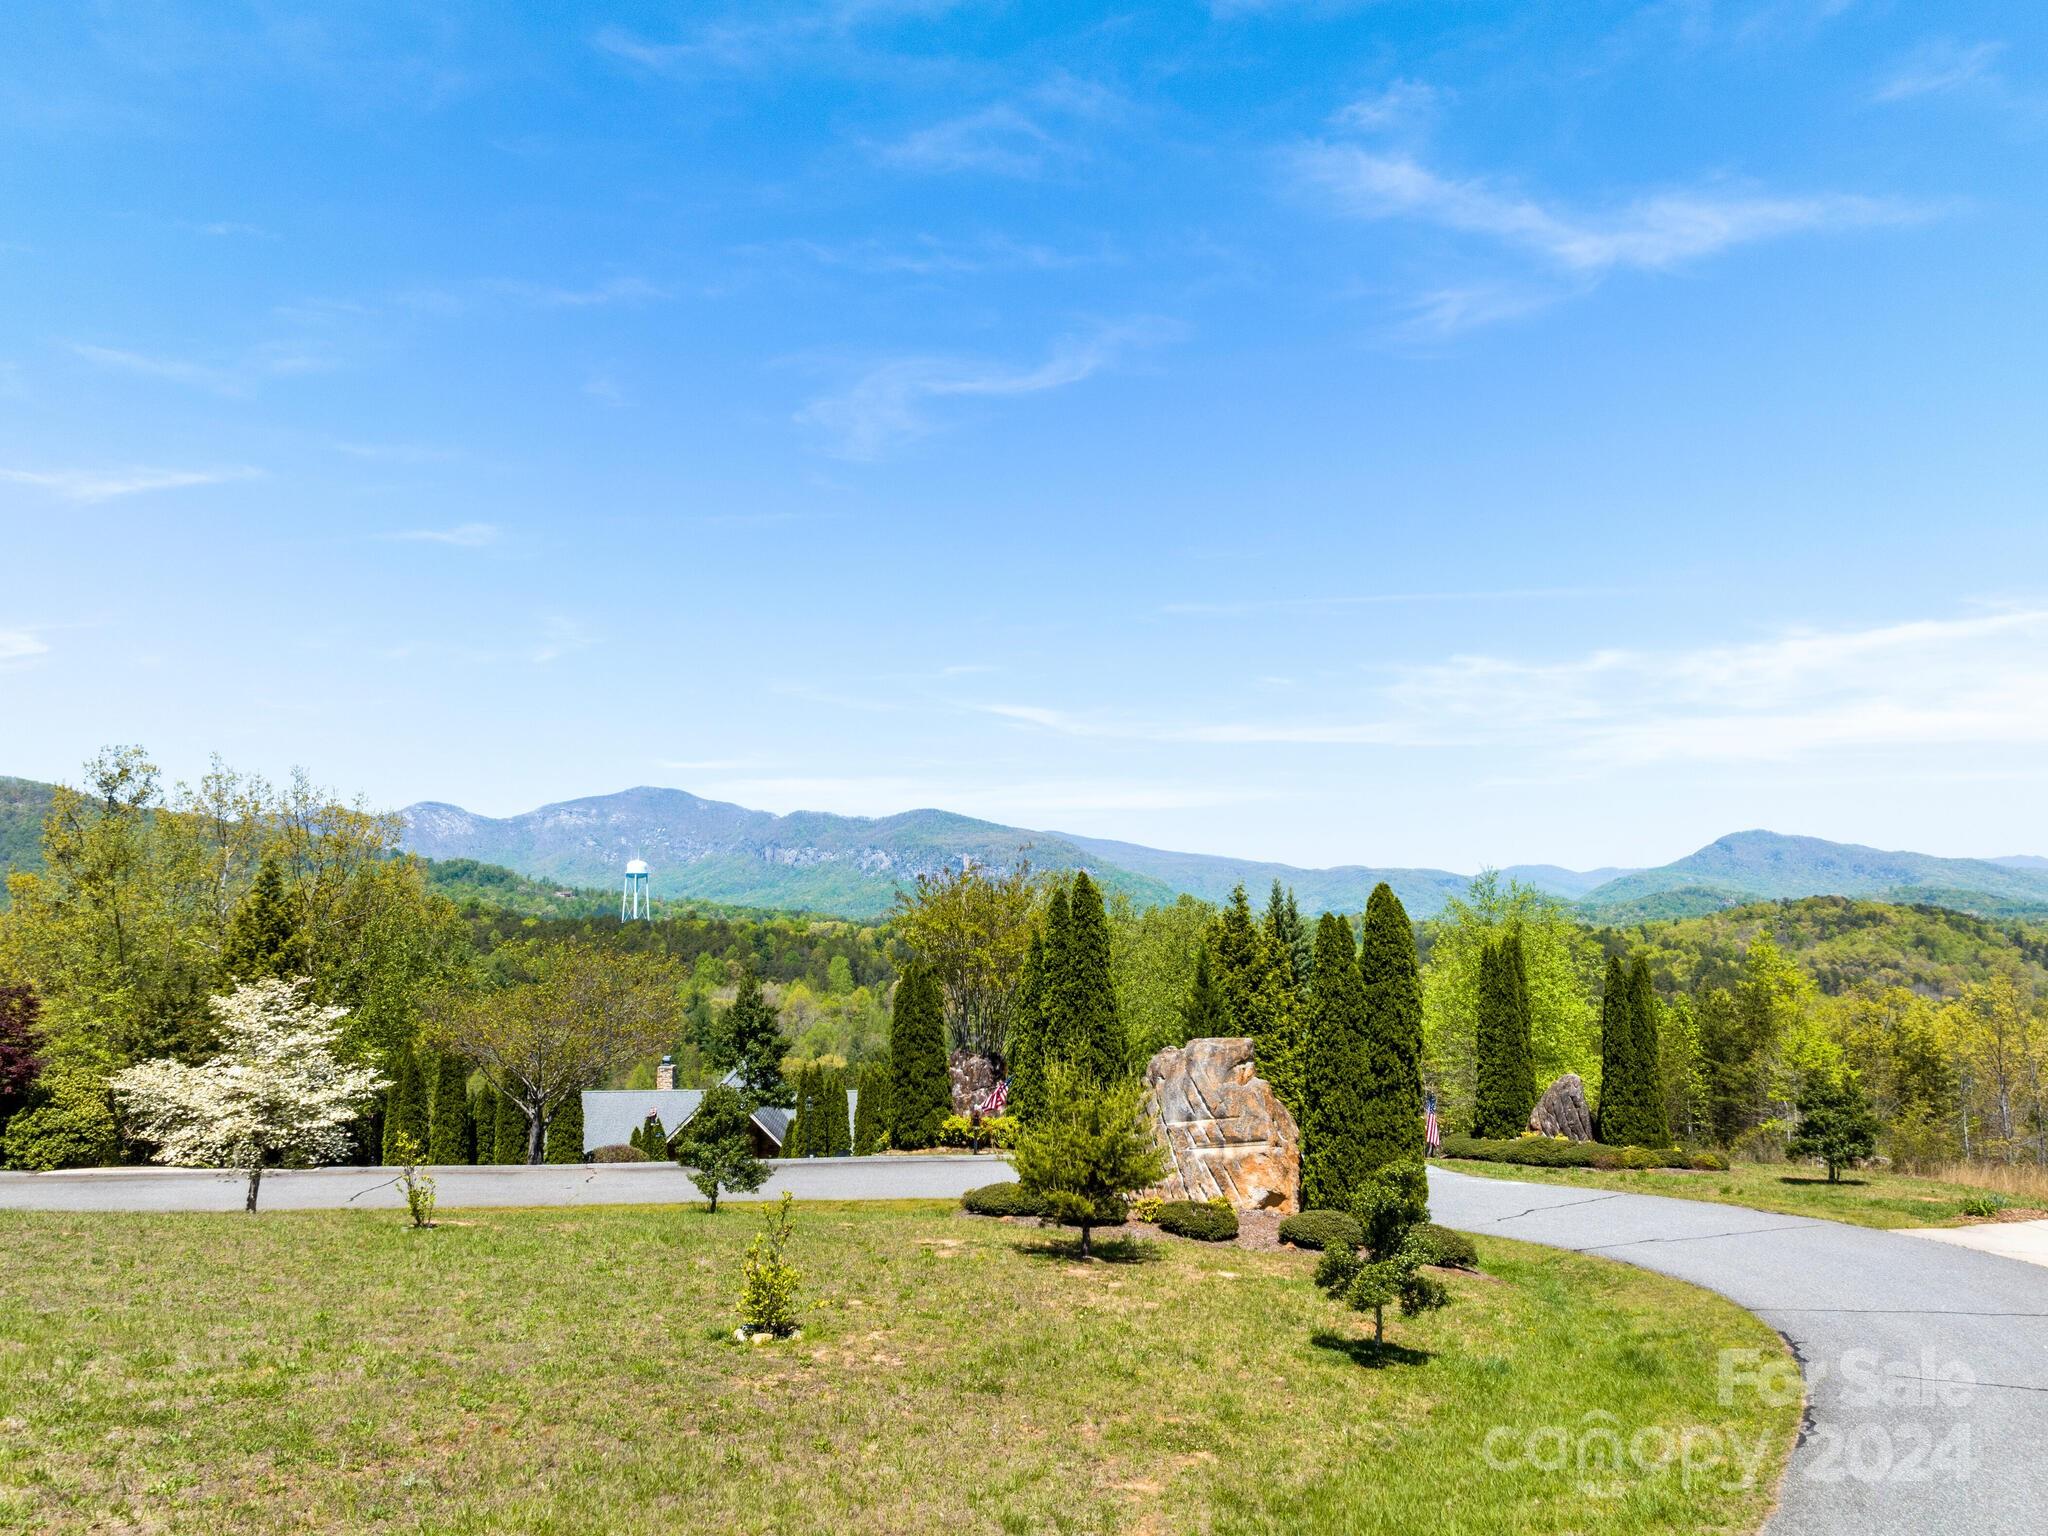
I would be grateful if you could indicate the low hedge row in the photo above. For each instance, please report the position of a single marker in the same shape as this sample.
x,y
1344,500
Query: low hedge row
x,y
1318,1230
1552,1152
618,1152
1005,1199
1198,1219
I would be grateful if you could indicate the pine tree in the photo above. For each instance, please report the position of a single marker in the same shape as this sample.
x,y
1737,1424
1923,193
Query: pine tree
x,y
263,939
1205,1014
1610,1117
1335,1161
803,1139
871,1118
405,1109
1026,1050
1263,1006
565,1132
755,1030
1234,944
1292,944
448,1135
483,1110
921,1091
1653,1128
1082,1024
1390,1122
508,1131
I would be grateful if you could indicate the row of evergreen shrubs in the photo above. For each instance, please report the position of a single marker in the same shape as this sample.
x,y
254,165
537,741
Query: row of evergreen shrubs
x,y
1322,1230
1553,1152
1199,1219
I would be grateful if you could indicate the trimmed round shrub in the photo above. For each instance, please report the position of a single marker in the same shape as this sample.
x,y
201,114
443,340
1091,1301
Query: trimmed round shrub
x,y
1639,1158
1605,1158
1707,1162
618,1152
1450,1250
1322,1229
1005,1199
1198,1219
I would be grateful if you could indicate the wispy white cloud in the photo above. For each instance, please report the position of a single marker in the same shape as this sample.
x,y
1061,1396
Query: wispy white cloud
x,y
560,636
1652,232
1403,104
1944,685
19,647
1940,66
616,290
272,360
1239,607
891,403
91,485
1026,801
926,255
461,536
999,139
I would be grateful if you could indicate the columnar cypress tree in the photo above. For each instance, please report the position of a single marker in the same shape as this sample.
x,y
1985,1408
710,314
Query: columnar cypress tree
x,y
508,1131
405,1108
755,1031
565,1132
1025,1054
1492,1061
1239,957
837,1137
1205,1015
263,937
799,1093
483,1110
1614,1119
448,1135
1253,977
1334,1160
1653,1127
921,1090
1082,1024
871,1118
1523,1055
1390,1123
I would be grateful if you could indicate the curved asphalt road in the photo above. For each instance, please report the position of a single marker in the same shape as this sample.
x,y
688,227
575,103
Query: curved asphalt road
x,y
1926,1364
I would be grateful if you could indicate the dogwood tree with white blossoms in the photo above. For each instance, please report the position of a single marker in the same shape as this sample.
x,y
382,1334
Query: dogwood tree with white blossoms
x,y
274,1094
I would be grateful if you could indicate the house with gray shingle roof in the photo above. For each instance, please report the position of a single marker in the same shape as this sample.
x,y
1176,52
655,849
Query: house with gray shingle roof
x,y
612,1115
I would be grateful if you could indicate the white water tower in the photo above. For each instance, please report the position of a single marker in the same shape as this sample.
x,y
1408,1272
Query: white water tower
x,y
634,902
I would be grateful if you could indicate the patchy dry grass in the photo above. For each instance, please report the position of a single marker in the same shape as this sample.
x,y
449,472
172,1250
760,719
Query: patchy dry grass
x,y
572,1371
1864,1197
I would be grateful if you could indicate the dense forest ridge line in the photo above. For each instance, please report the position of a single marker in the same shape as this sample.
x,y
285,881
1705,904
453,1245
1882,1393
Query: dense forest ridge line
x,y
720,854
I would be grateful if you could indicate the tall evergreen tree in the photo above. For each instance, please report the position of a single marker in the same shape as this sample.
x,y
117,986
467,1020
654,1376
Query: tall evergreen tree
x,y
1025,1057
755,1031
1293,946
483,1131
1082,1027
921,1089
565,1132
448,1133
405,1109
263,939
1205,1014
1492,1050
1263,1005
1653,1128
1390,1124
871,1118
835,1139
1616,1041
508,1131
1523,1018
1335,1160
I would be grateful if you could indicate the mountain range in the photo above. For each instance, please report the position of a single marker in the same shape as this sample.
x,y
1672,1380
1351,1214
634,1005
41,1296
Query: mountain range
x,y
711,850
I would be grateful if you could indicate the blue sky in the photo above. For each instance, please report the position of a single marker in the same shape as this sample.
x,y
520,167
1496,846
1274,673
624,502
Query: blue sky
x,y
1402,433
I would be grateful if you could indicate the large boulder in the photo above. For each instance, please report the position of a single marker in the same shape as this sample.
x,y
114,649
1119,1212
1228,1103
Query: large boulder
x,y
1562,1111
1226,1132
974,1077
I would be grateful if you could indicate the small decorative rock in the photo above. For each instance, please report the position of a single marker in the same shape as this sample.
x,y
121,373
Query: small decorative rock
x,y
1562,1111
973,1078
1226,1132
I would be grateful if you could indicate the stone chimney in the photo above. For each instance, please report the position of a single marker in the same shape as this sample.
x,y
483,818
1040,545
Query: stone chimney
x,y
665,1074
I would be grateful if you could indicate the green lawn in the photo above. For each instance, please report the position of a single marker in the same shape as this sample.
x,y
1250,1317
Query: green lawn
x,y
572,1371
1866,1199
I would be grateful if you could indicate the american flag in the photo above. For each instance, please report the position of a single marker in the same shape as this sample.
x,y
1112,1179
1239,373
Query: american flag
x,y
1432,1138
992,1102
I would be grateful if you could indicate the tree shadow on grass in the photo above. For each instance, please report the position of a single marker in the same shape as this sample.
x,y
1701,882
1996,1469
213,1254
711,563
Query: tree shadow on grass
x,y
1365,1352
1814,1178
1108,1250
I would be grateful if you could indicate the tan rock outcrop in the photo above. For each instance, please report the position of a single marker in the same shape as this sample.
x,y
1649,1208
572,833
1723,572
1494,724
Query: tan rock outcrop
x,y
1226,1132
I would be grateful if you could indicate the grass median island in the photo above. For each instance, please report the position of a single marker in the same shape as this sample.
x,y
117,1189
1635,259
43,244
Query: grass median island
x,y
570,1371
1863,1197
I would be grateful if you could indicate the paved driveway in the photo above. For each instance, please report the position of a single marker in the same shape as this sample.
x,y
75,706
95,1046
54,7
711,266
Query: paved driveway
x,y
188,1189
1926,1364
